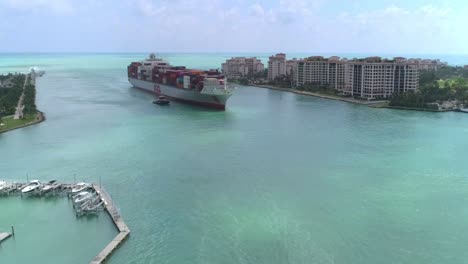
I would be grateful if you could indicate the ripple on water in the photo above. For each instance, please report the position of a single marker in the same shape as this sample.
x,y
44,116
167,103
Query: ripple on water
x,y
277,178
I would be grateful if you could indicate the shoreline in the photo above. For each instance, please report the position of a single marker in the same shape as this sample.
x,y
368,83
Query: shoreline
x,y
40,117
418,109
19,123
324,96
373,104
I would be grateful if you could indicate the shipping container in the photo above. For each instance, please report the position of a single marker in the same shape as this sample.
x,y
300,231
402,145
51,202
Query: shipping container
x,y
186,82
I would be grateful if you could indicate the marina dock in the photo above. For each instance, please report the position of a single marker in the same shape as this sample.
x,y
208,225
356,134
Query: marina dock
x,y
118,222
4,236
65,189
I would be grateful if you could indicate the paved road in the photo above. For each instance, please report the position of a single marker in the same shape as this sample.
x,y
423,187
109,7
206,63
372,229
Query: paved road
x,y
20,106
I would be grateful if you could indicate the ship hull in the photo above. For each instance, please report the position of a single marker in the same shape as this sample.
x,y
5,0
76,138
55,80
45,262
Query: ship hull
x,y
182,95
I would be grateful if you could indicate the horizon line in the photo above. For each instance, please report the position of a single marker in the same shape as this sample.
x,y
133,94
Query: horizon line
x,y
218,52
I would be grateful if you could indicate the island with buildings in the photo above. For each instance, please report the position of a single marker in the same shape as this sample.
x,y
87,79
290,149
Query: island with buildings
x,y
18,101
421,84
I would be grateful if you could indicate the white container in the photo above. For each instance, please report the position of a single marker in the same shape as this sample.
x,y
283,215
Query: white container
x,y
186,82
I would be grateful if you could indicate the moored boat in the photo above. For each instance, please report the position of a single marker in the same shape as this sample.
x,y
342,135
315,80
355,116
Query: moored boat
x,y
48,186
82,197
79,187
3,186
90,205
32,187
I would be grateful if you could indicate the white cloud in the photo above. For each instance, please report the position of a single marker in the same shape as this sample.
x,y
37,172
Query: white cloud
x,y
257,10
230,14
397,17
148,8
287,12
430,10
422,29
299,6
246,25
56,6
261,15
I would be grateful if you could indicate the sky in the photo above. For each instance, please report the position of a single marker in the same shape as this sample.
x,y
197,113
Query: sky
x,y
341,26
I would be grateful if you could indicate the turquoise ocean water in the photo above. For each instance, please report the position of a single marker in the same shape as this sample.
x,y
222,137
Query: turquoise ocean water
x,y
276,178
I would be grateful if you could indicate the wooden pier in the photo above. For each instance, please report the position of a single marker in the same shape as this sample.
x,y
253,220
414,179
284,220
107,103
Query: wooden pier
x,y
118,222
4,236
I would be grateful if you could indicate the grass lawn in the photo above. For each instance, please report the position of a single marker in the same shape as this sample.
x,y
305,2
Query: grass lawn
x,y
9,122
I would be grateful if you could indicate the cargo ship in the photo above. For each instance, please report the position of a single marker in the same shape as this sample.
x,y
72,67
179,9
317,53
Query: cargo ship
x,y
203,88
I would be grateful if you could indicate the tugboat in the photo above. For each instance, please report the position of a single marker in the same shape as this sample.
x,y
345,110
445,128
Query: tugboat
x,y
162,100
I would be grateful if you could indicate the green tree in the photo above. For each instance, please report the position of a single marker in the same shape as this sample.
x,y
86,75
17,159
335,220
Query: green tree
x,y
427,77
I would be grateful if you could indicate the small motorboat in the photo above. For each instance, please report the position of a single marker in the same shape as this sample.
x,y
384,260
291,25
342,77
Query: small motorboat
x,y
82,197
49,186
162,100
95,199
3,186
32,187
79,187
94,205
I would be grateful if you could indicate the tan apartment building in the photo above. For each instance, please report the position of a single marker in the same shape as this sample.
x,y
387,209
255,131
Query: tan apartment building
x,y
336,69
370,78
320,71
276,66
427,64
290,66
374,77
242,67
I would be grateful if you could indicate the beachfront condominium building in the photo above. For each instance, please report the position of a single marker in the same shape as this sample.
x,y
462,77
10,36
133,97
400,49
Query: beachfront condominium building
x,y
277,66
427,64
375,77
321,72
240,67
290,66
369,78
